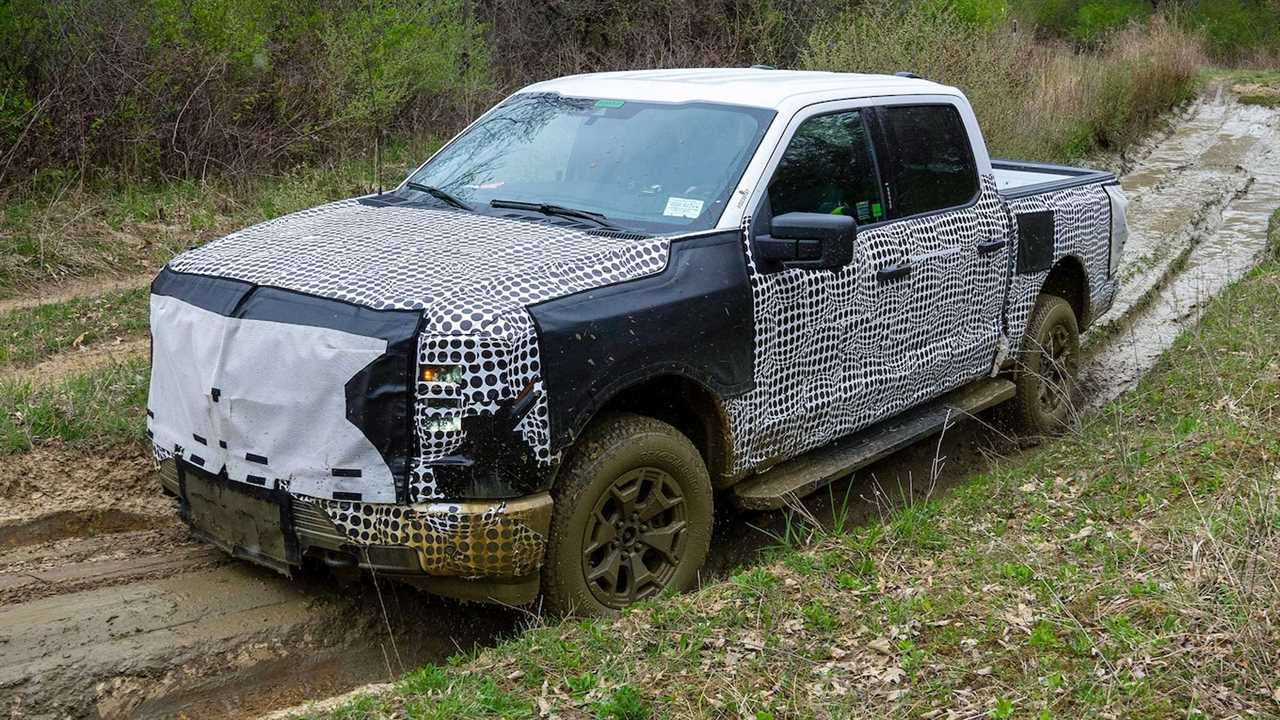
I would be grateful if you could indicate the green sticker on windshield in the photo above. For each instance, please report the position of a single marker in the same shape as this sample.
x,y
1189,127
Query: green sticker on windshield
x,y
610,103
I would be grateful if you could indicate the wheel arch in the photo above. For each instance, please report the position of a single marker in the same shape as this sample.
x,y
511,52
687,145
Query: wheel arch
x,y
1068,280
686,404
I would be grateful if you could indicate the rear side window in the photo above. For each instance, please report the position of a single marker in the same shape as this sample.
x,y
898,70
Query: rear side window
x,y
930,164
828,167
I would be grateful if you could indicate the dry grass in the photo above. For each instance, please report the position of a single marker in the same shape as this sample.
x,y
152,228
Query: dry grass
x,y
74,230
1034,100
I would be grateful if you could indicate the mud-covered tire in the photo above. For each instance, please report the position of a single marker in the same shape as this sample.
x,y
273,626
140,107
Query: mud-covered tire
x,y
1046,370
616,517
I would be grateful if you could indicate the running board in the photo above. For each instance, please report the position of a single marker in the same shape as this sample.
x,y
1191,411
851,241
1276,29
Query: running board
x,y
802,475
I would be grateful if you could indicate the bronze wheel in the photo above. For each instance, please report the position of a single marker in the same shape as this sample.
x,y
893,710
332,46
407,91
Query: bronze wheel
x,y
632,517
635,537
1057,369
1046,383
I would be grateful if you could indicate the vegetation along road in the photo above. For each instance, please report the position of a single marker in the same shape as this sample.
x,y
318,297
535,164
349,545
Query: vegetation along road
x,y
114,612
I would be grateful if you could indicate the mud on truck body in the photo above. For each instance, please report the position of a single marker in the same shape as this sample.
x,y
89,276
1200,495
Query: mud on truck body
x,y
531,367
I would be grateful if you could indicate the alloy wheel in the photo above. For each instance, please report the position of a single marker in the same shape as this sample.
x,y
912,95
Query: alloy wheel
x,y
635,537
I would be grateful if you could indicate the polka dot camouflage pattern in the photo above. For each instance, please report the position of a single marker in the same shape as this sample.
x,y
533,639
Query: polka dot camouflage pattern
x,y
836,351
1082,229
502,539
473,277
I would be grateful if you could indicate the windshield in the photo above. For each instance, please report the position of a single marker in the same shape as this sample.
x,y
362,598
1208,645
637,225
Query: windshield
x,y
654,167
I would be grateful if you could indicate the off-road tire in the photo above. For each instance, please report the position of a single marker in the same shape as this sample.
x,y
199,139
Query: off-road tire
x,y
624,450
1052,328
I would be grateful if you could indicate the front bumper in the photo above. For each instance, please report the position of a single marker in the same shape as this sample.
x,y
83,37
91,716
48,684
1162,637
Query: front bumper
x,y
474,550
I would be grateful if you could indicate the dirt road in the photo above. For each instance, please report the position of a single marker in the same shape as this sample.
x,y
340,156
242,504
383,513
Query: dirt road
x,y
112,613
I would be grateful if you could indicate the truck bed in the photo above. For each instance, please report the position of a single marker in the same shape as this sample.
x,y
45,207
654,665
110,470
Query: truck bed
x,y
1016,179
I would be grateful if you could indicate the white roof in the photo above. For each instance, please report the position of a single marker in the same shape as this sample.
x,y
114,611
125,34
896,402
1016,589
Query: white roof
x,y
758,87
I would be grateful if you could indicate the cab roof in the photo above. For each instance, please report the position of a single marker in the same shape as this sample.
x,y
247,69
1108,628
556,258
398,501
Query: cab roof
x,y
757,87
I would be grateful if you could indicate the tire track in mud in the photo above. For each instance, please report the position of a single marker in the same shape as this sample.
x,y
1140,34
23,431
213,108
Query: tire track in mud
x,y
78,360
125,615
1226,158
74,289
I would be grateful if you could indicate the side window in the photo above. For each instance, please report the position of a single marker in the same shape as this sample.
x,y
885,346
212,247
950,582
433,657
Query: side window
x,y
930,164
829,167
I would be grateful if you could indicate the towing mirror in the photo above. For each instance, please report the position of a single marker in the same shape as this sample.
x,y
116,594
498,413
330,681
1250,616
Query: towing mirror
x,y
814,241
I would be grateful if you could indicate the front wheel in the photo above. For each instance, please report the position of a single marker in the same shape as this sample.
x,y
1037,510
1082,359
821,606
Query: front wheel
x,y
632,517
1046,374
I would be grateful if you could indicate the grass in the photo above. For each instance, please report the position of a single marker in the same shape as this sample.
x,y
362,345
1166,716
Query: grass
x,y
1034,99
63,228
1252,87
32,334
1125,570
101,407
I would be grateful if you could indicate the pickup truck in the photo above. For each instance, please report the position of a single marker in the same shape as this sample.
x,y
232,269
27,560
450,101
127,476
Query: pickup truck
x,y
612,301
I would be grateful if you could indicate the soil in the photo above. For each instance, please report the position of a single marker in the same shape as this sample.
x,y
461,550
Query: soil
x,y
108,608
53,479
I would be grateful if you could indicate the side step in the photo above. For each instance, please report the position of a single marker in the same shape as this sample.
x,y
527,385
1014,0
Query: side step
x,y
802,475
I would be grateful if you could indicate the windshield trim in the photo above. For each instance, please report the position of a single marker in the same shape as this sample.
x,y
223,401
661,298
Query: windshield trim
x,y
766,116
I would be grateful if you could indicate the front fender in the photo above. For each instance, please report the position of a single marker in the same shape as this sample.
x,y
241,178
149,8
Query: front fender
x,y
693,319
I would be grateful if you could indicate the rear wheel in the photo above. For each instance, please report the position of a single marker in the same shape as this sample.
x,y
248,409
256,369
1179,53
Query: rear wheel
x,y
632,517
1046,373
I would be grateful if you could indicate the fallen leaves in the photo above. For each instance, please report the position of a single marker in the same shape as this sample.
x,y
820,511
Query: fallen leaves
x,y
1082,533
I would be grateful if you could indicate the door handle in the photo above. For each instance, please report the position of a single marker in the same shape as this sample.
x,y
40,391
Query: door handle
x,y
893,272
990,247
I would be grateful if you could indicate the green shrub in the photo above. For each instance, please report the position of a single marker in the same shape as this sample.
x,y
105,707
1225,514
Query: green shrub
x,y
1097,18
985,13
157,88
1235,29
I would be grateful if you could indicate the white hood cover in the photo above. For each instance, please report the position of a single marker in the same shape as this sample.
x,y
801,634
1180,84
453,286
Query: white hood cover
x,y
265,399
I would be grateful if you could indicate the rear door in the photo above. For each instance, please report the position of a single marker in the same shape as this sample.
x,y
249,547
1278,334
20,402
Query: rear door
x,y
945,271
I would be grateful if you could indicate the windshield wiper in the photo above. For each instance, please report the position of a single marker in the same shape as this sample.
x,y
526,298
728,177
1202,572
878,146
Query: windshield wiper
x,y
549,209
439,194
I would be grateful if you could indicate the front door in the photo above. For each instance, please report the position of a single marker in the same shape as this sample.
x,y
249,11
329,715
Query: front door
x,y
816,331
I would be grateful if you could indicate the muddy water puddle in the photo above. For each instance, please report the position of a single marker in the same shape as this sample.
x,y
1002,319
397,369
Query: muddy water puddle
x,y
108,616
1236,179
73,523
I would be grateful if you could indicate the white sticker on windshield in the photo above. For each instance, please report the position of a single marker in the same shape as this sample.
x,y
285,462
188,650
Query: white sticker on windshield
x,y
683,207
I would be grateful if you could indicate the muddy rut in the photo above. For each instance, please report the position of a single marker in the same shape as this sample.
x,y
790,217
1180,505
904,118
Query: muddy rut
x,y
109,609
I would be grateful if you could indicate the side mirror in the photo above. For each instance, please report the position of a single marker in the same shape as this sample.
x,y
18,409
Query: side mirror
x,y
815,241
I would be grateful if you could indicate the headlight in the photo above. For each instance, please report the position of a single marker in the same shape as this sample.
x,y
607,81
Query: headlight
x,y
444,398
444,424
441,374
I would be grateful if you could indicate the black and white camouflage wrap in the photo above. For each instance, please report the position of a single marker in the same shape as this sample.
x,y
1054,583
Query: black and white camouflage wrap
x,y
1082,229
472,275
836,351
833,351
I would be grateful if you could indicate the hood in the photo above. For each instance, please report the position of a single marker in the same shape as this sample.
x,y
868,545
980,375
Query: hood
x,y
466,271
